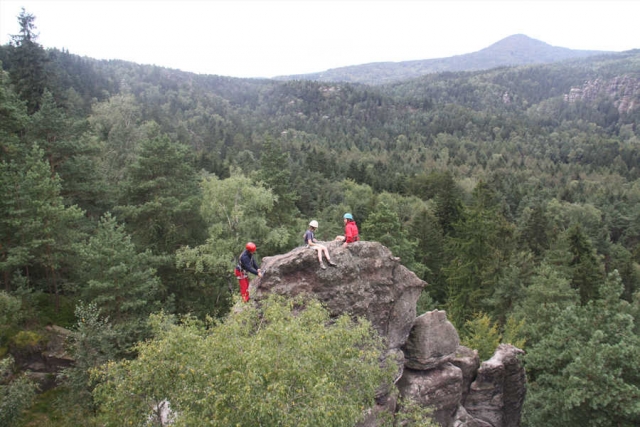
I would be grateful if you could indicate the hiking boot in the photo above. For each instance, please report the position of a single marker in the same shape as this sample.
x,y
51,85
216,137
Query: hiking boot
x,y
322,266
333,264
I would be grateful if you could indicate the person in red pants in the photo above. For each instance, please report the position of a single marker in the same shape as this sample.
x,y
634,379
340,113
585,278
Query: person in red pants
x,y
247,264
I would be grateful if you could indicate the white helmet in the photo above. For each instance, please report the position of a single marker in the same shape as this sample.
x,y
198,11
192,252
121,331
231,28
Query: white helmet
x,y
313,224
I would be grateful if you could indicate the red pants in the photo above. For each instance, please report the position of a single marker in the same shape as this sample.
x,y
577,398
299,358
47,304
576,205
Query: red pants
x,y
243,281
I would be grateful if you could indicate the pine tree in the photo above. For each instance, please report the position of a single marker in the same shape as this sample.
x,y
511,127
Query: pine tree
x,y
448,203
13,119
28,63
38,228
478,254
120,280
384,226
587,269
275,173
584,370
161,197
535,234
430,250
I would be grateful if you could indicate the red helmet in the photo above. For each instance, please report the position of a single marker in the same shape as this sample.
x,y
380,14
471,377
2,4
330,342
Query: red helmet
x,y
251,247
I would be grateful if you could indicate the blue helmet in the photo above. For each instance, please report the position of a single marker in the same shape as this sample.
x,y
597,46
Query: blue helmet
x,y
348,216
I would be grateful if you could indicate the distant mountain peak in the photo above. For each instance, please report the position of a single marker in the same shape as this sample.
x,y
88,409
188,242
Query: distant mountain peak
x,y
517,49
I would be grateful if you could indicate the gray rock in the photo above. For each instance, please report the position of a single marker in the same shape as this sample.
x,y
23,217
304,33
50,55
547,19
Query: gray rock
x,y
497,394
439,388
468,362
433,341
368,282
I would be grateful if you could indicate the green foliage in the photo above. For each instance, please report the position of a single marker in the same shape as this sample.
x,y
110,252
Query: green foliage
x,y
235,210
514,333
27,339
478,254
37,229
93,343
28,62
384,226
448,203
425,228
485,176
275,174
161,197
117,125
123,282
47,411
283,365
13,118
545,299
585,370
586,270
481,334
16,393
9,309
412,414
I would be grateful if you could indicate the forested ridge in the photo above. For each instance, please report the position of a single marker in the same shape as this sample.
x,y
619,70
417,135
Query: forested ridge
x,y
129,190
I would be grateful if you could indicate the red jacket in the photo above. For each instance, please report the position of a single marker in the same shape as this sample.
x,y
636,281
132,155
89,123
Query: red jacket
x,y
351,232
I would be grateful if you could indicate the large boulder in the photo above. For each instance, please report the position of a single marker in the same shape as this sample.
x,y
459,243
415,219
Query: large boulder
x,y
433,341
368,282
434,370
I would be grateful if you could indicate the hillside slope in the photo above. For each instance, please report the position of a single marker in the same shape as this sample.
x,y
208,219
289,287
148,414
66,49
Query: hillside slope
x,y
513,50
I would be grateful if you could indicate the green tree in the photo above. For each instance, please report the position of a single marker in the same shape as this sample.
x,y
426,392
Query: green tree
x,y
535,234
93,344
28,63
38,230
281,366
114,276
275,174
478,254
51,129
621,259
119,129
544,299
13,119
584,371
448,203
160,200
383,225
587,269
430,249
482,334
16,393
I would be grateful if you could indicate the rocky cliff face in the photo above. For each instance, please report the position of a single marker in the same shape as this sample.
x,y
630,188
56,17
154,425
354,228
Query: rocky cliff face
x,y
624,91
434,370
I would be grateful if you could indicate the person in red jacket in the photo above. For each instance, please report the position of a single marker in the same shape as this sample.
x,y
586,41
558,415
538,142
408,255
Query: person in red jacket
x,y
246,264
350,231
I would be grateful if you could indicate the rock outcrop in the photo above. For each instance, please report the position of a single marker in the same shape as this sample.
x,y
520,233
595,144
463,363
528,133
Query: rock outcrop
x,y
434,369
369,282
44,358
623,91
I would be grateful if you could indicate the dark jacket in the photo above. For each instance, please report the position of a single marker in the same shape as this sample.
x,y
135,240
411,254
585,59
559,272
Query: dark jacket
x,y
247,263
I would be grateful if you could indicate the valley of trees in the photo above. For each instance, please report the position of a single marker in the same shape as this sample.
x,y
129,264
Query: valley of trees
x,y
129,190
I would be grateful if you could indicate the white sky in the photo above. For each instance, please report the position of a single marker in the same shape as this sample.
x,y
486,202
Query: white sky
x,y
268,38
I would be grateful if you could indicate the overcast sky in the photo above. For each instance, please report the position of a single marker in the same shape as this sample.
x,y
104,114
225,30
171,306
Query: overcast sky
x,y
267,38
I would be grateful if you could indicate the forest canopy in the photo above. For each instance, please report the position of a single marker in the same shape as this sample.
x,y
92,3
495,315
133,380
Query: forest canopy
x,y
129,190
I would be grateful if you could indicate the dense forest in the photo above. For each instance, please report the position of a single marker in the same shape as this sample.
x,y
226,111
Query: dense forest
x,y
128,192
